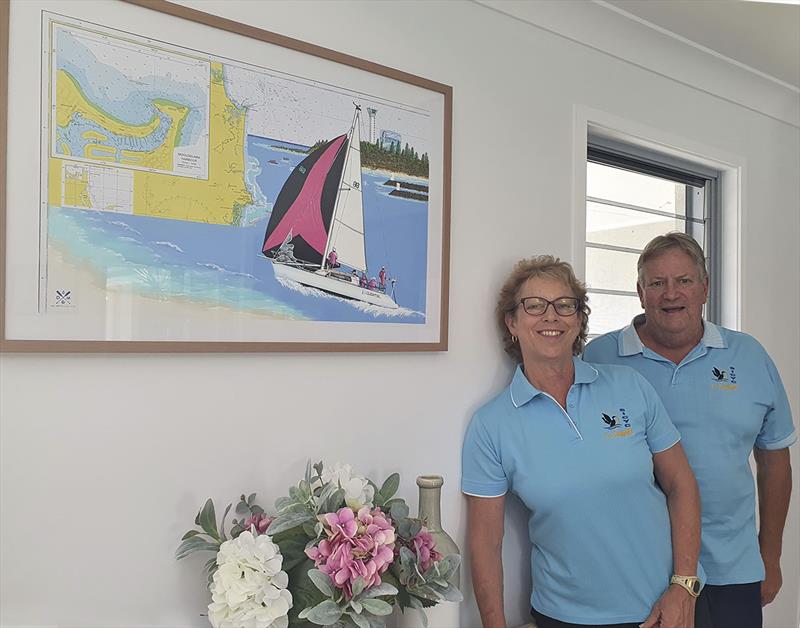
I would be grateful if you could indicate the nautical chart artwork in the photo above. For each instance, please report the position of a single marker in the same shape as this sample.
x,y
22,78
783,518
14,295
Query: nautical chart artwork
x,y
196,188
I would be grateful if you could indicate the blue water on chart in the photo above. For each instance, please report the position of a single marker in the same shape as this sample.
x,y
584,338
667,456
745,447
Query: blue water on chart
x,y
223,265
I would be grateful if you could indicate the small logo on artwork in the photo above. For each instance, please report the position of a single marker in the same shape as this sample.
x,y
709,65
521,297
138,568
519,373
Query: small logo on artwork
x,y
619,426
724,379
63,298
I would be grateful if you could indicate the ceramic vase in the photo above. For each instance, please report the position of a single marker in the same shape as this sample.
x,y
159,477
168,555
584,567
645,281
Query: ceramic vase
x,y
444,614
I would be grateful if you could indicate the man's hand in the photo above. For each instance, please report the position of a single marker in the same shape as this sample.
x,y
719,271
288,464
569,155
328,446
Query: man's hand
x,y
674,609
772,582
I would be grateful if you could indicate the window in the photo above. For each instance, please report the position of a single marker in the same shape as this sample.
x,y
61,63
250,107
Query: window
x,y
633,195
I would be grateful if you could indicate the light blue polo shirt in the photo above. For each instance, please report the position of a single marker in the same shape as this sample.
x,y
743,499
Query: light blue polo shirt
x,y
598,523
725,397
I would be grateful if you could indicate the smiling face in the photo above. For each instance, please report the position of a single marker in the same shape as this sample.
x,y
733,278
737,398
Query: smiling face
x,y
547,336
672,295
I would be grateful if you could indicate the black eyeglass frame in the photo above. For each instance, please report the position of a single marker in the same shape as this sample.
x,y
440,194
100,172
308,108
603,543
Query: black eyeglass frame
x,y
578,305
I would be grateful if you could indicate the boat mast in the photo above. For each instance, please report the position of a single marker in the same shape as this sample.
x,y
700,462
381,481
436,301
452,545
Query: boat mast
x,y
329,242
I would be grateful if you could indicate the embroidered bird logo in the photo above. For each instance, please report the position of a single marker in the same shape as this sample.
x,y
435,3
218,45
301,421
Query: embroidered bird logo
x,y
718,375
611,421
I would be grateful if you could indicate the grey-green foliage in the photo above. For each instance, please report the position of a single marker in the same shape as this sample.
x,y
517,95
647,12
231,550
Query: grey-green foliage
x,y
434,584
208,538
364,610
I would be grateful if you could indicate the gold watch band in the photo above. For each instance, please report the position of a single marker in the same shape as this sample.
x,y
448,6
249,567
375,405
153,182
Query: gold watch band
x,y
690,583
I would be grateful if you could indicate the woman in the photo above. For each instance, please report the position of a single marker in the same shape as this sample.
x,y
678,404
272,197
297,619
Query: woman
x,y
580,445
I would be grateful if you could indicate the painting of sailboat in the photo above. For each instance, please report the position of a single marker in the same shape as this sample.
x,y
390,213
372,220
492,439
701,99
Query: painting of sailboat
x,y
216,199
315,234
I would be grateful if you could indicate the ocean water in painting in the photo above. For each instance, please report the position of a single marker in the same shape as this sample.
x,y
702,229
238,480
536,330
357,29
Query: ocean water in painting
x,y
219,265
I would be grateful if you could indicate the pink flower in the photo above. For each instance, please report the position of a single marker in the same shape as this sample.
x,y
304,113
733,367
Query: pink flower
x,y
259,522
424,547
357,545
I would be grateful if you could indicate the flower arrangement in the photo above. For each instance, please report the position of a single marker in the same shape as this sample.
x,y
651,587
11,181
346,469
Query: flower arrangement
x,y
338,552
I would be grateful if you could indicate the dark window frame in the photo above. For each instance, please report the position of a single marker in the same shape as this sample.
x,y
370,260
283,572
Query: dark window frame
x,y
650,162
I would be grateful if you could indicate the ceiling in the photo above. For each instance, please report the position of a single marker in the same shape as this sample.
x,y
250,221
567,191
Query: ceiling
x,y
762,35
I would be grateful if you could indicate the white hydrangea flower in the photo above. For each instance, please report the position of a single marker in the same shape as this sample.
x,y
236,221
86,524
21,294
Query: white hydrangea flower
x,y
358,492
249,587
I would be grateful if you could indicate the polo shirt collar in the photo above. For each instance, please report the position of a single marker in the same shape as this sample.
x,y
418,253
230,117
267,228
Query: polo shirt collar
x,y
629,342
522,391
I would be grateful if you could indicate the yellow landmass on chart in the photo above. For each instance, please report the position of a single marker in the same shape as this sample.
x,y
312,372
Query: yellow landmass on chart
x,y
70,100
76,188
216,200
94,135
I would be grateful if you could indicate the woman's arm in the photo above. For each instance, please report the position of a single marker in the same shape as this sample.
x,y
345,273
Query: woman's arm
x,y
485,543
675,608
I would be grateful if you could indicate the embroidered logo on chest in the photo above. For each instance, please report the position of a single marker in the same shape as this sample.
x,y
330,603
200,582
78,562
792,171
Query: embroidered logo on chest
x,y
723,379
618,425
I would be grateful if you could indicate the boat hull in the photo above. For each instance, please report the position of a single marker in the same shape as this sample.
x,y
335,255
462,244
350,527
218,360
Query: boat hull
x,y
322,281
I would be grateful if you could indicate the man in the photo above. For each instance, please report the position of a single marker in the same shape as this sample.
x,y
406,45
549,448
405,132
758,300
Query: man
x,y
725,396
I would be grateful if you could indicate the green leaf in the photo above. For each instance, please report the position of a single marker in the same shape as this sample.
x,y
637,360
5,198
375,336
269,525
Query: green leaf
x,y
323,582
377,607
222,524
195,544
415,602
190,534
426,591
296,508
382,590
357,607
293,545
283,502
390,486
358,585
449,564
451,593
304,593
399,511
208,519
358,620
325,613
242,509
287,522
251,498
334,502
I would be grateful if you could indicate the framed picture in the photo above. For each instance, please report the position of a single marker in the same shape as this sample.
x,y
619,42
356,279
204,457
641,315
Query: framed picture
x,y
175,181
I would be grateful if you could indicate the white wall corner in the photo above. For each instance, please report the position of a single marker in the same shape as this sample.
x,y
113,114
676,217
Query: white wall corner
x,y
595,25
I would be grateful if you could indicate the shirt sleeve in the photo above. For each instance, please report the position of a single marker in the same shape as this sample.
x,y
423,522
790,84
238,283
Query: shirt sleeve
x,y
482,471
777,429
661,433
601,350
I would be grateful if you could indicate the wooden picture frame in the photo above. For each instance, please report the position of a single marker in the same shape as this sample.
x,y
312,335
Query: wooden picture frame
x,y
190,197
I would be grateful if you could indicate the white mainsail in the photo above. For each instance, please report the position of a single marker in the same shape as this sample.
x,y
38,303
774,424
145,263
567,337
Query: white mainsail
x,y
346,233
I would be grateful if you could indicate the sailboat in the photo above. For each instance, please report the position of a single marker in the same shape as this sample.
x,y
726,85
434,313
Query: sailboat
x,y
318,218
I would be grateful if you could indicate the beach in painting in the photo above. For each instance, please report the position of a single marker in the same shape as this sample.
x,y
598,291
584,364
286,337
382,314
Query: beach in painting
x,y
210,265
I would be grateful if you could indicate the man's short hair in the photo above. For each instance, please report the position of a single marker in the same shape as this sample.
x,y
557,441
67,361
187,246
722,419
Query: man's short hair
x,y
672,240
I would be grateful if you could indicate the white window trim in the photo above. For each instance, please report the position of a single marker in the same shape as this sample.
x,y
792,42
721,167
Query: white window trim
x,y
590,123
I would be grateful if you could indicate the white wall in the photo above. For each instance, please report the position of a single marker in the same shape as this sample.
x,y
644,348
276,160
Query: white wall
x,y
105,458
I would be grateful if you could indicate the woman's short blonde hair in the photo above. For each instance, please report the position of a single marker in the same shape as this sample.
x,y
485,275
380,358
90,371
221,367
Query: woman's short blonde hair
x,y
509,297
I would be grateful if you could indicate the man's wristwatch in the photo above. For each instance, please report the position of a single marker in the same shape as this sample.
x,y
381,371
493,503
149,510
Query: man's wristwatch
x,y
691,583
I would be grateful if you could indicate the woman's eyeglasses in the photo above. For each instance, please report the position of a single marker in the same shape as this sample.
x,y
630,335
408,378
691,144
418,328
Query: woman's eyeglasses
x,y
564,306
